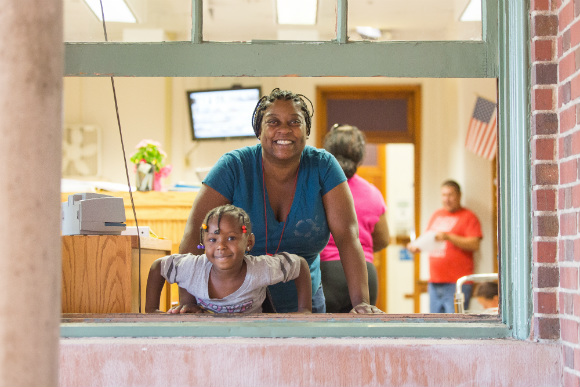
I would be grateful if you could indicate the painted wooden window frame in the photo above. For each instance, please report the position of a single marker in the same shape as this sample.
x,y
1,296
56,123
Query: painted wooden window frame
x,y
502,54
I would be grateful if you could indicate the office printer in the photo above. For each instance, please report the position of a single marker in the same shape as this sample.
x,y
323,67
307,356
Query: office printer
x,y
93,214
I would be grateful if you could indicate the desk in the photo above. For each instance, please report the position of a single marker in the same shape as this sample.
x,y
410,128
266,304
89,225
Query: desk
x,y
100,273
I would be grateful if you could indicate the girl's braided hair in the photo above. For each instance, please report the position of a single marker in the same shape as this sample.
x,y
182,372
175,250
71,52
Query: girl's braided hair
x,y
283,95
227,209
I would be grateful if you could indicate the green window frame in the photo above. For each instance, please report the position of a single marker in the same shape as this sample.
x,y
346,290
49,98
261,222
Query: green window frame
x,y
502,53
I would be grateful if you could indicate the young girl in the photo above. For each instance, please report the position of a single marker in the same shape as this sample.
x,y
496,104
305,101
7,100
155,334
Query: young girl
x,y
225,279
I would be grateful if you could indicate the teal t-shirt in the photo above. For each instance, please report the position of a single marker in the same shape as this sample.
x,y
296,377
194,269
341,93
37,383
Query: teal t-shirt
x,y
238,176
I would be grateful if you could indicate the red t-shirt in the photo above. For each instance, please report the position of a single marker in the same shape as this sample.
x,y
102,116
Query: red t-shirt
x,y
451,263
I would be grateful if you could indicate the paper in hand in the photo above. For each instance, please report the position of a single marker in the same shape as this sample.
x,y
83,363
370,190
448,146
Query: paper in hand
x,y
427,243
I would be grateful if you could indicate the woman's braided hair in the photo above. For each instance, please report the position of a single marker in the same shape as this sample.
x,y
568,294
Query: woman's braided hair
x,y
283,95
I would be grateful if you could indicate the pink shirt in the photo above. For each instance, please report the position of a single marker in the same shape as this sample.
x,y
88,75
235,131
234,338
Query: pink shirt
x,y
369,205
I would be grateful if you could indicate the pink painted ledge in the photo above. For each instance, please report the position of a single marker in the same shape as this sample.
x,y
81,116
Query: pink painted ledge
x,y
331,362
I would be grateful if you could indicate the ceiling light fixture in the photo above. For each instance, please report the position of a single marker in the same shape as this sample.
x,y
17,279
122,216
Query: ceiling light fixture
x,y
115,11
296,12
472,12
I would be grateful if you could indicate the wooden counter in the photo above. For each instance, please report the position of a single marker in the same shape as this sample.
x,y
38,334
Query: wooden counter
x,y
102,273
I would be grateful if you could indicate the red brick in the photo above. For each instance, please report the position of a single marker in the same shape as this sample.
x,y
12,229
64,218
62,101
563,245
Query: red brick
x,y
575,143
564,147
569,278
566,67
544,200
570,379
545,252
574,31
575,87
545,225
559,49
576,304
566,16
564,200
576,250
575,196
546,277
568,356
568,171
544,123
543,149
566,250
547,302
566,300
544,74
540,5
545,174
568,119
568,224
548,328
543,50
543,99
544,25
569,330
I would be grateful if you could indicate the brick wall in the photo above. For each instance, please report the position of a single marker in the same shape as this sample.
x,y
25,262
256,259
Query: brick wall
x,y
545,99
555,143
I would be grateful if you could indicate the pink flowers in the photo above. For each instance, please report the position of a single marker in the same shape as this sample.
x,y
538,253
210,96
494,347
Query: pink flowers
x,y
150,152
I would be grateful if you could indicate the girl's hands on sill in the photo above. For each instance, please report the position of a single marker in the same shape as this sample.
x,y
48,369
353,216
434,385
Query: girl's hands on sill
x,y
186,308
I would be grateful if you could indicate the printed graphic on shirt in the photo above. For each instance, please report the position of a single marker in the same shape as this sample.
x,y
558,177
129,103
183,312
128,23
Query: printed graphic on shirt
x,y
237,308
442,224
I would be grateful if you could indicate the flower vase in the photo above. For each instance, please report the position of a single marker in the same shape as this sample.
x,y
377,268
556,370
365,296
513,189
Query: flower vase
x,y
145,176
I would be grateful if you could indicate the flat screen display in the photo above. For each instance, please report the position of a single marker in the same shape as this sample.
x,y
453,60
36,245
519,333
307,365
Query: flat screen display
x,y
224,113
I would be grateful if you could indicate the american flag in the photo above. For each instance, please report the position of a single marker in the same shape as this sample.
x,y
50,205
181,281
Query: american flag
x,y
482,132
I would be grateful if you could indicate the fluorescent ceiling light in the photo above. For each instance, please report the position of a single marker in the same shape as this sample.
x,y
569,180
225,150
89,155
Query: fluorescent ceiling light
x,y
472,11
115,11
301,12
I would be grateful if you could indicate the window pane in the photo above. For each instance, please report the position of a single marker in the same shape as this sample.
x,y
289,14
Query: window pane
x,y
235,20
156,21
411,20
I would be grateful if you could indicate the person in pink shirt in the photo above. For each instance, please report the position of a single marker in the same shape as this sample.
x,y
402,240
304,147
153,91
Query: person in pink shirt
x,y
347,144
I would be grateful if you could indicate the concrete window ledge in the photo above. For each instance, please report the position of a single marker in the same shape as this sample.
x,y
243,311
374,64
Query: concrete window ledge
x,y
229,361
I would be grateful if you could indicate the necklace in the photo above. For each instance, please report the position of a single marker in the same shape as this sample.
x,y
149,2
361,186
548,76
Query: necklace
x,y
266,214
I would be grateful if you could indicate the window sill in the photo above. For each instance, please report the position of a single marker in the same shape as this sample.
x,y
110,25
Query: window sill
x,y
284,325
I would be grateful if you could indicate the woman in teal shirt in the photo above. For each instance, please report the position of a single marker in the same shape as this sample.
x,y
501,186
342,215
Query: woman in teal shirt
x,y
296,195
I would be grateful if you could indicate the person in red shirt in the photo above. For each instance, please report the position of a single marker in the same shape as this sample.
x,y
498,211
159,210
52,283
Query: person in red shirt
x,y
460,230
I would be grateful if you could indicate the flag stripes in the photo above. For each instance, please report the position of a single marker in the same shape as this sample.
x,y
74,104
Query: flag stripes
x,y
482,131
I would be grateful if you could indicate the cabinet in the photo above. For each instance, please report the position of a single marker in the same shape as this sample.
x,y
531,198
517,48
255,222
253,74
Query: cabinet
x,y
103,273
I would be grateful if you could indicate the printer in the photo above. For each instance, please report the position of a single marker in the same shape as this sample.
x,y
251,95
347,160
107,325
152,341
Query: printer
x,y
93,214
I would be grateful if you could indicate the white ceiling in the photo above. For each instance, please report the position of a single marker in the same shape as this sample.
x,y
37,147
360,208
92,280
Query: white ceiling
x,y
246,20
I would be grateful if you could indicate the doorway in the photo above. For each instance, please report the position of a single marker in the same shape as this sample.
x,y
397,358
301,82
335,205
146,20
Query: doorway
x,y
389,115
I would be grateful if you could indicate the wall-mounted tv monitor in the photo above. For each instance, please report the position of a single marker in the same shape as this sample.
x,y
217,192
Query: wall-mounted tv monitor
x,y
223,113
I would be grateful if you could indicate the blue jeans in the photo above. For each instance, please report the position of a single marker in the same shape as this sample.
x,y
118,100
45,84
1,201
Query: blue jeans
x,y
442,297
318,301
